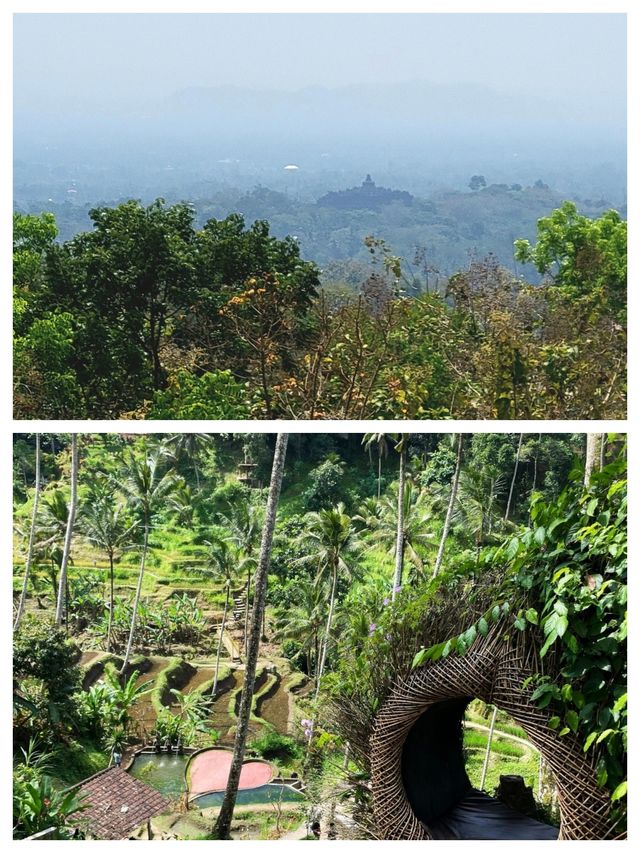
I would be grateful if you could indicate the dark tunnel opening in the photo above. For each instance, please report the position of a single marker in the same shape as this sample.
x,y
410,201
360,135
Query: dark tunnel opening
x,y
438,787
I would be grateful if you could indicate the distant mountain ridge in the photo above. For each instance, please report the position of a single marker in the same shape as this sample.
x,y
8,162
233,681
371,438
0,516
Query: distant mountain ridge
x,y
412,101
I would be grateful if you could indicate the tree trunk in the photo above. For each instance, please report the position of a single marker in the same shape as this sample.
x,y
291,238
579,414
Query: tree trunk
x,y
32,534
593,441
223,823
379,473
246,614
485,766
136,600
452,501
327,633
222,626
535,464
513,479
397,578
112,598
73,504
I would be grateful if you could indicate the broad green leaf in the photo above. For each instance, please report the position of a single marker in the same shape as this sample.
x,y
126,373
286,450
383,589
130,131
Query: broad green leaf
x,y
620,791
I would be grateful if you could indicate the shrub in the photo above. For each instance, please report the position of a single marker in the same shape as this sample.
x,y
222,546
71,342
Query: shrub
x,y
273,745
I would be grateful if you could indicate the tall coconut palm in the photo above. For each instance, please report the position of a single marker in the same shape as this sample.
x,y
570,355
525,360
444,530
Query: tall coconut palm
x,y
222,561
452,501
223,823
330,537
32,535
244,520
417,523
380,441
106,523
73,506
146,489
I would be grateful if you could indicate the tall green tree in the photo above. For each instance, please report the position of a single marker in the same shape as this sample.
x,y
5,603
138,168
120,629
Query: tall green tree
x,y
586,258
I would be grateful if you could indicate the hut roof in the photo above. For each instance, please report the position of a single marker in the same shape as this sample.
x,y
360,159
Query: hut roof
x,y
117,804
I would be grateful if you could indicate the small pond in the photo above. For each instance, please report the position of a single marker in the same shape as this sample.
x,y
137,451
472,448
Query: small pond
x,y
271,793
165,773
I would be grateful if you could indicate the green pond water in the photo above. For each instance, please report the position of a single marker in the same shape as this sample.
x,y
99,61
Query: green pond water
x,y
264,794
163,772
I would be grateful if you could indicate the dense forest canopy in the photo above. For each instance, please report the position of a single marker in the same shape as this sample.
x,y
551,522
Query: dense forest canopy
x,y
150,315
496,529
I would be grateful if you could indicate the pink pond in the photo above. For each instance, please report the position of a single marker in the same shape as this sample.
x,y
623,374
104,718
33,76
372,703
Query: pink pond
x,y
209,771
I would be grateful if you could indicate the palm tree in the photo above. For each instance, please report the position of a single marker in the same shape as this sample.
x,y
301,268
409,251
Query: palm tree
x,y
122,696
303,622
106,524
223,823
189,445
244,520
51,525
369,514
181,502
330,536
146,488
475,512
452,500
222,561
73,505
32,534
379,440
417,521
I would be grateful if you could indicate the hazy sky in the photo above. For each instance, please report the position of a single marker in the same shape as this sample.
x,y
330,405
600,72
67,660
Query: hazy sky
x,y
106,60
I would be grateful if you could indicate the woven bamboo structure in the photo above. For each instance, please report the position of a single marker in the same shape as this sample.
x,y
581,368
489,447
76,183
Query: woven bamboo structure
x,y
494,670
